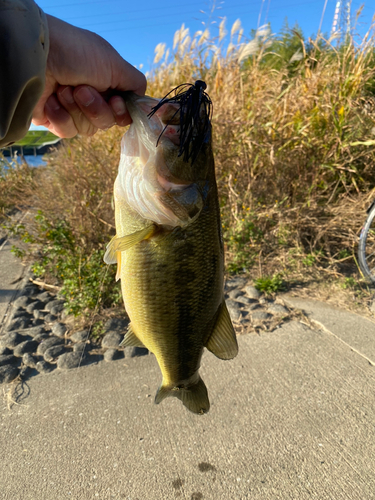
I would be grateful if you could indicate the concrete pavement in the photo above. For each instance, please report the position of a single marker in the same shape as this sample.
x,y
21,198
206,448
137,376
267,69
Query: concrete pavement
x,y
292,417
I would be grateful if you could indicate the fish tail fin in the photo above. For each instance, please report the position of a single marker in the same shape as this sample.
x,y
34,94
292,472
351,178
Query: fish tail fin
x,y
194,396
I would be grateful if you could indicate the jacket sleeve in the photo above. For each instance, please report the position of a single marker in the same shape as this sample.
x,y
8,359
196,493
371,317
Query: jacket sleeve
x,y
24,47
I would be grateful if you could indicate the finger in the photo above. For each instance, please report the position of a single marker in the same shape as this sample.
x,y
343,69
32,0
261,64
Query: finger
x,y
60,121
82,124
94,107
119,110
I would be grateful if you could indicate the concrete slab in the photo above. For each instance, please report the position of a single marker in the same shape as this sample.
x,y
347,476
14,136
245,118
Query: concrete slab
x,y
292,417
355,330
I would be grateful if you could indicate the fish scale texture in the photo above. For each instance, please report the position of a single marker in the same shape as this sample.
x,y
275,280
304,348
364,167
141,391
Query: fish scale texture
x,y
172,286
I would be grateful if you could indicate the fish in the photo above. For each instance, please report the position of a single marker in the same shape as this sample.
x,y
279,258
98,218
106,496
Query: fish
x,y
168,245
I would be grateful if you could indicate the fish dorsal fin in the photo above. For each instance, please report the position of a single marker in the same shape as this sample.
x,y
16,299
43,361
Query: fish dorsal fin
x,y
223,341
125,242
131,340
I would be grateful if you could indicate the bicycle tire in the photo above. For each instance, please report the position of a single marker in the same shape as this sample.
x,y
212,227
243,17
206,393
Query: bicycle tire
x,y
366,246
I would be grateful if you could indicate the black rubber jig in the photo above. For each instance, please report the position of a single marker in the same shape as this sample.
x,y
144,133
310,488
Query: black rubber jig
x,y
195,108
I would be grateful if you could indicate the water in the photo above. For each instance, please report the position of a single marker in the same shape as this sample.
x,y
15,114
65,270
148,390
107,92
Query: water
x,y
31,160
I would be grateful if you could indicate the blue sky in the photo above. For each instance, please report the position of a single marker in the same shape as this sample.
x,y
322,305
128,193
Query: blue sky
x,y
135,28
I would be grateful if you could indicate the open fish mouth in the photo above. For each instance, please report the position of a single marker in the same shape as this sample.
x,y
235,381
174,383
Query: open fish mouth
x,y
155,175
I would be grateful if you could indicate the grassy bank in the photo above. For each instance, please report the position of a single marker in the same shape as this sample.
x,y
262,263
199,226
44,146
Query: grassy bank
x,y
294,137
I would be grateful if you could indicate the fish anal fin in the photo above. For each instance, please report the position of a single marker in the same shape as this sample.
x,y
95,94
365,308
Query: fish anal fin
x,y
193,396
131,340
223,341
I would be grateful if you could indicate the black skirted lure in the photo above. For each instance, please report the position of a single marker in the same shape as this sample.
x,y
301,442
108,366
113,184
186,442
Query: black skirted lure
x,y
195,108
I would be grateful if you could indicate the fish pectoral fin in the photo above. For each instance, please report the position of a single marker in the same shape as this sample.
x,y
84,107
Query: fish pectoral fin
x,y
118,272
223,341
131,340
125,242
194,396
110,254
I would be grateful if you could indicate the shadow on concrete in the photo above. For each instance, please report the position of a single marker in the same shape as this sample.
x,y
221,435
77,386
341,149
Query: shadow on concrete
x,y
6,295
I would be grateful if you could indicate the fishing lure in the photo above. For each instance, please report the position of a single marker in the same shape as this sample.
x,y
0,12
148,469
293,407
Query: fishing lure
x,y
195,109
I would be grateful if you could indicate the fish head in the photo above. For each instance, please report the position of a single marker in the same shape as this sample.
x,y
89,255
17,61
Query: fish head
x,y
170,153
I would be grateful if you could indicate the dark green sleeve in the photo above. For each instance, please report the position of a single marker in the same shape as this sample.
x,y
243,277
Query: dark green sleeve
x,y
23,56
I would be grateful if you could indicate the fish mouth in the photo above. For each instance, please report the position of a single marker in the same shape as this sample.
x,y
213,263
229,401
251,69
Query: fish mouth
x,y
162,130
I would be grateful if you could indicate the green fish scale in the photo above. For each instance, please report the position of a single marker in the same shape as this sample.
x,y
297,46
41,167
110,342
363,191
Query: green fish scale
x,y
172,286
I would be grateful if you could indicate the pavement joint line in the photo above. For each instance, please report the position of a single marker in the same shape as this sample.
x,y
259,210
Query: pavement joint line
x,y
326,330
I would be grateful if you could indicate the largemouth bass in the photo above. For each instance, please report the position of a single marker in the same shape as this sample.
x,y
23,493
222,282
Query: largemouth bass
x,y
168,245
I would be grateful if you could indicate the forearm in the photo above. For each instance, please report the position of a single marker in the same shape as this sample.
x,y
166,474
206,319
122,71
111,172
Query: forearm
x,y
24,45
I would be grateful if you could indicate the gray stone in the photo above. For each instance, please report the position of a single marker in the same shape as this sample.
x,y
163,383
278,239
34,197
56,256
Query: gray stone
x,y
112,354
22,301
252,292
46,344
11,339
30,291
50,318
4,350
38,322
56,305
277,309
44,367
59,329
252,306
55,311
21,313
69,360
236,282
138,351
234,310
244,300
24,347
8,359
233,294
80,336
44,297
32,331
36,304
38,314
112,339
54,352
41,337
260,316
18,324
80,347
116,324
8,373
28,360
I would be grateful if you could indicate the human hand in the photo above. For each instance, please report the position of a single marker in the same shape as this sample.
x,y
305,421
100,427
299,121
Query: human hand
x,y
81,68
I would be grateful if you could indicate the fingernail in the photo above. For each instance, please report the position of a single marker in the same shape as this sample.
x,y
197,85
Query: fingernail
x,y
119,107
67,95
53,104
85,96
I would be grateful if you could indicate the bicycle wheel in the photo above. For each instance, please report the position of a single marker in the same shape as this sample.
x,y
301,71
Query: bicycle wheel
x,y
366,247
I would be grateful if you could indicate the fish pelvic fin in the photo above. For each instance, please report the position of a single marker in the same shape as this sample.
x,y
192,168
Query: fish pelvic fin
x,y
131,340
223,341
194,396
125,242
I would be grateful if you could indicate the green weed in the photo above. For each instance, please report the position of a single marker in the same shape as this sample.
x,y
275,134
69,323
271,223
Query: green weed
x,y
270,284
